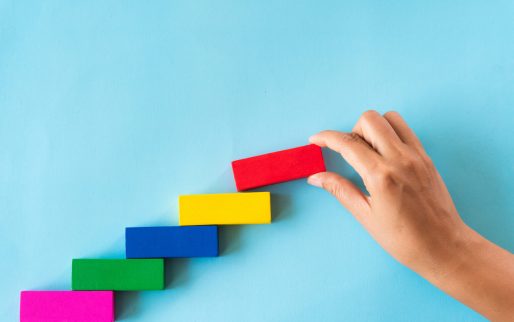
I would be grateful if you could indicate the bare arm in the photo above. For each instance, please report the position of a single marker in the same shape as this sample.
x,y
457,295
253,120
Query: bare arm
x,y
410,213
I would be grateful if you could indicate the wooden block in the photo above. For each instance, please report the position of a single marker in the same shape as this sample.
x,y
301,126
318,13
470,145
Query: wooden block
x,y
76,306
278,167
225,209
118,274
156,242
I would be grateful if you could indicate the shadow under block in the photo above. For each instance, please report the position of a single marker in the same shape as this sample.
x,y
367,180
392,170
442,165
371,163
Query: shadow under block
x,y
76,306
225,209
276,167
168,242
117,274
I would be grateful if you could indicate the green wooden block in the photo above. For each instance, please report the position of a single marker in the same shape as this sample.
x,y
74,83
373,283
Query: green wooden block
x,y
117,274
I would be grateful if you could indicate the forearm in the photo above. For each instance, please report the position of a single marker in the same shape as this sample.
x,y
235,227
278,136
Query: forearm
x,y
480,275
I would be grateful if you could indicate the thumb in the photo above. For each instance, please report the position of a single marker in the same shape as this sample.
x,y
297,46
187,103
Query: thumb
x,y
345,191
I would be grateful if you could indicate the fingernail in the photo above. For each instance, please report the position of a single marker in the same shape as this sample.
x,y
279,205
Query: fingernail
x,y
314,180
311,138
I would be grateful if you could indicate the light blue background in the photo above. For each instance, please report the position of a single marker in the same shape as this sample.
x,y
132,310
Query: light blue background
x,y
111,109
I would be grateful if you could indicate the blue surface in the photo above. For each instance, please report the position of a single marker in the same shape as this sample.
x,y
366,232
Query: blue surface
x,y
169,242
110,110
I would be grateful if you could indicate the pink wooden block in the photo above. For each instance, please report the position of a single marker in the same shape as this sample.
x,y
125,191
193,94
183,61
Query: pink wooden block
x,y
69,306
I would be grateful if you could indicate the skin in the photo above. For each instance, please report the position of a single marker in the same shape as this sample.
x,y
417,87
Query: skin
x,y
410,213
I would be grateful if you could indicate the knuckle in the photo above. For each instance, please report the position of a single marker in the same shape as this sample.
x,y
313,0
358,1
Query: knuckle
x,y
385,178
408,163
415,161
333,188
325,132
408,160
370,113
367,118
350,137
391,114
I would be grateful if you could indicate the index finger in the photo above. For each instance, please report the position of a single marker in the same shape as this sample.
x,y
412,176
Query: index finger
x,y
352,147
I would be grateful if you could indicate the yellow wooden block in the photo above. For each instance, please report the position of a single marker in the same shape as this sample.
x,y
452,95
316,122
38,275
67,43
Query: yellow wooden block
x,y
225,209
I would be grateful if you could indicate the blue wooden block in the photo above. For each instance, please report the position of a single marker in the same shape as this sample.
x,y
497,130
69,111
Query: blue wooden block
x,y
163,242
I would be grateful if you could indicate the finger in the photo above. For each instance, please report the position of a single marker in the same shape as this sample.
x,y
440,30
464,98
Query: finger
x,y
345,191
357,152
378,133
404,132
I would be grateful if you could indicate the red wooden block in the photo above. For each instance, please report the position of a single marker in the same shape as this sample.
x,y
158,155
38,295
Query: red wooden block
x,y
278,167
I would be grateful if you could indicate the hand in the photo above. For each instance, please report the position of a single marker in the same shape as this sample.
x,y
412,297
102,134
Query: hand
x,y
409,210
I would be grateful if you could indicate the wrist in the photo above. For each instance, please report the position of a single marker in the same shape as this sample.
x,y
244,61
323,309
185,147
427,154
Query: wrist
x,y
450,253
478,273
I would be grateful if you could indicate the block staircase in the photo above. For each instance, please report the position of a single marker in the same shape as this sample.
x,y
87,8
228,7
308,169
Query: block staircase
x,y
94,281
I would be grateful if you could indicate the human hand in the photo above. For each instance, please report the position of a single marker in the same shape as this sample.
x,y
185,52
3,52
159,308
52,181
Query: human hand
x,y
410,213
